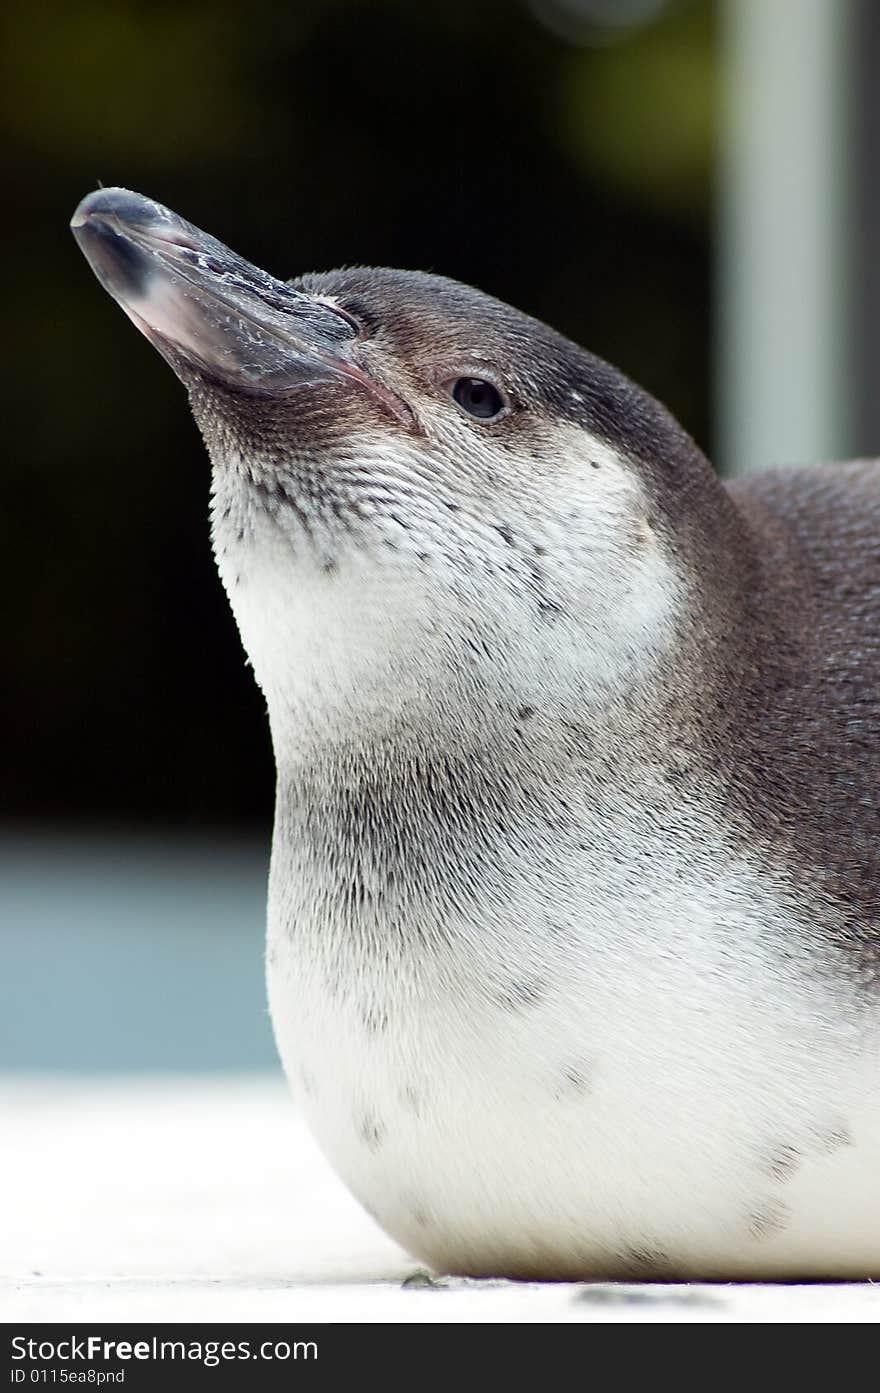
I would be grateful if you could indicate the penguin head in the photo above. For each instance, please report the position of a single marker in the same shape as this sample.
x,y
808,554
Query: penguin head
x,y
416,488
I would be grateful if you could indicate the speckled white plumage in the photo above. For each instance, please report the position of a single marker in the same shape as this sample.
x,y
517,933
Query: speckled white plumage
x,y
586,1054
573,950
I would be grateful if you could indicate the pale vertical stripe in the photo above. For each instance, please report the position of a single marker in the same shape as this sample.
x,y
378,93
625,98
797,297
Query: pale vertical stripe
x,y
783,367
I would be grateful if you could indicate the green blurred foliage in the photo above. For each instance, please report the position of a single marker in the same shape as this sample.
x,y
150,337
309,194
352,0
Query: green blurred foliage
x,y
572,179
641,113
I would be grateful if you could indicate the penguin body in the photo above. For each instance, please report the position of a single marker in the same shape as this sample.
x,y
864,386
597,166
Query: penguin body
x,y
574,907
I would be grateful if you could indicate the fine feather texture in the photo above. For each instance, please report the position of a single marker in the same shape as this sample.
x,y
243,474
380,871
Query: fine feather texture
x,y
574,905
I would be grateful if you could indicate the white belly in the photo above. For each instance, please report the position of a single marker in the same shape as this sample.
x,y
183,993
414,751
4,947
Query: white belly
x,y
589,1078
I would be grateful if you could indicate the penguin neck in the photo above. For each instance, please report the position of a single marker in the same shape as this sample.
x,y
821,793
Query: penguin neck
x,y
731,627
348,701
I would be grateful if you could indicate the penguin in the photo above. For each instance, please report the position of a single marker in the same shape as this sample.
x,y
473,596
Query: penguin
x,y
573,947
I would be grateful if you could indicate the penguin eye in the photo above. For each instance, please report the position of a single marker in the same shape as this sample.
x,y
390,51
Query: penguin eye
x,y
477,397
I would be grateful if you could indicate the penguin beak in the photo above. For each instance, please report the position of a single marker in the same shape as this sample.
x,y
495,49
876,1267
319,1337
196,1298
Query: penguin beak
x,y
211,313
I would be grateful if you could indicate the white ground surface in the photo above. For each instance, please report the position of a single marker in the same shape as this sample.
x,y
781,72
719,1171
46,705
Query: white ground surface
x,y
206,1200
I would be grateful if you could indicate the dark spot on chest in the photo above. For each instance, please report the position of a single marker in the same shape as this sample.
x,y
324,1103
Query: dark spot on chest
x,y
573,1081
522,994
421,1216
782,1162
769,1218
375,1019
833,1138
646,1260
411,1099
371,1131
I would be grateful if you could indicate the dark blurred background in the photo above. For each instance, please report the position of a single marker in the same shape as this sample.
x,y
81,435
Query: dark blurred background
x,y
562,165
677,184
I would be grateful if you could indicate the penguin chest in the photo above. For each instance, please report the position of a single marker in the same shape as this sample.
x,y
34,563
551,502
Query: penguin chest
x,y
557,1080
